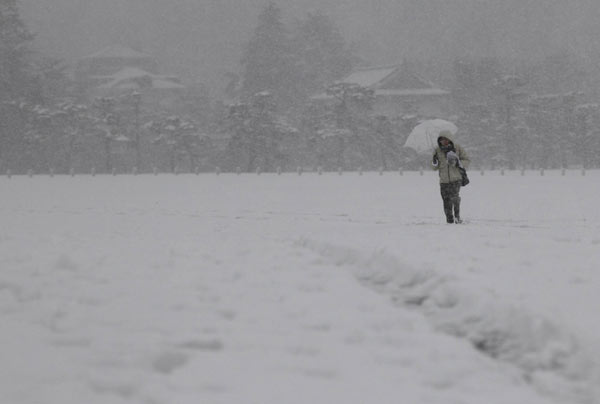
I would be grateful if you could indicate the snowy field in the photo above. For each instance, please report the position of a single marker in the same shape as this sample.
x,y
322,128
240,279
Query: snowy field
x,y
299,289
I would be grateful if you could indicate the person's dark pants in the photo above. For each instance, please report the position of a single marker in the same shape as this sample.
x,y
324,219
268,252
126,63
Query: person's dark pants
x,y
451,200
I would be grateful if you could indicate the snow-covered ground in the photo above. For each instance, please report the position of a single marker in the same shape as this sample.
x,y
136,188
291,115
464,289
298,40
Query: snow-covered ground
x,y
299,289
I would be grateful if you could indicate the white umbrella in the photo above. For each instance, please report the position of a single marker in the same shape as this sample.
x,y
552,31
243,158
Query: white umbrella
x,y
423,138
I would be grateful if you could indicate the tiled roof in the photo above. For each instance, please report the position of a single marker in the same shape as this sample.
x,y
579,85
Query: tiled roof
x,y
118,51
369,77
127,79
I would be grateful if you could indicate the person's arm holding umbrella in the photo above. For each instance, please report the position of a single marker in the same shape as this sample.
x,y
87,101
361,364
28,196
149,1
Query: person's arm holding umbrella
x,y
435,162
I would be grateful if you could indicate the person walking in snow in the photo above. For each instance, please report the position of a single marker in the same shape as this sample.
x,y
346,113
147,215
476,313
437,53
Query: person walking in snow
x,y
448,158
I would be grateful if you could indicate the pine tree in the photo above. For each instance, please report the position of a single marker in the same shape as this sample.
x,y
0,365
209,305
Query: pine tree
x,y
14,39
584,138
269,63
257,134
323,54
16,81
181,137
345,130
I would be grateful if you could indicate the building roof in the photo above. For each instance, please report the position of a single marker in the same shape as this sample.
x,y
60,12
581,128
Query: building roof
x,y
392,80
118,51
127,73
413,92
369,77
133,78
395,77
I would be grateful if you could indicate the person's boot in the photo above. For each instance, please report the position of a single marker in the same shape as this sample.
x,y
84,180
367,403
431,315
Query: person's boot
x,y
456,203
448,211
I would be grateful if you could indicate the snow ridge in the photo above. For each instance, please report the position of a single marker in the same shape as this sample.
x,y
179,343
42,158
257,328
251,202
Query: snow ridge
x,y
553,361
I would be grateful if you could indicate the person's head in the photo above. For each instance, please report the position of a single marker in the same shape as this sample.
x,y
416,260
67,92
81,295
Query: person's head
x,y
445,138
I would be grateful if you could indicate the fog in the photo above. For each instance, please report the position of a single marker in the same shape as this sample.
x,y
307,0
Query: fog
x,y
200,39
281,238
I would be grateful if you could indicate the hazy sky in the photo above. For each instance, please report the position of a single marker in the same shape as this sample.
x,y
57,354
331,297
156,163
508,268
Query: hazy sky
x,y
201,39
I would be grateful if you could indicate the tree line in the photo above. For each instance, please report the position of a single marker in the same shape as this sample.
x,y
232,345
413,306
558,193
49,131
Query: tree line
x,y
271,121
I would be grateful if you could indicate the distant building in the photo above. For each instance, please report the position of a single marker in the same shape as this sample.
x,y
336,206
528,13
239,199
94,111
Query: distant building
x,y
112,59
399,91
118,70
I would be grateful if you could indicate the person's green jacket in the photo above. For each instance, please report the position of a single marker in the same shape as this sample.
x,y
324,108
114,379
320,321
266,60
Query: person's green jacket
x,y
449,173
